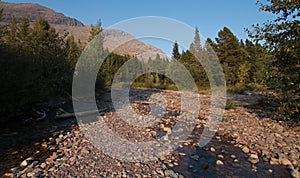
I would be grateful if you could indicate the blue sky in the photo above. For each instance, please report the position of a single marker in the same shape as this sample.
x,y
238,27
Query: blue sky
x,y
210,16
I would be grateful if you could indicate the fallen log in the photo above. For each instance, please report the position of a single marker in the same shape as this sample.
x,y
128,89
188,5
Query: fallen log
x,y
62,114
44,116
144,102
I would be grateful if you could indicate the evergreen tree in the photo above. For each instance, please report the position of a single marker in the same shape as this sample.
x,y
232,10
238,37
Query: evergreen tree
x,y
95,30
282,38
195,47
175,53
230,54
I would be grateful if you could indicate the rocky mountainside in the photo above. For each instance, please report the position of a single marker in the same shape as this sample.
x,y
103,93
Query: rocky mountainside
x,y
127,44
32,11
80,31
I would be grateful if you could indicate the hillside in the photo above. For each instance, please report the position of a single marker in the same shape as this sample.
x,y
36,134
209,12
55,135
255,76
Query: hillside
x,y
80,31
32,11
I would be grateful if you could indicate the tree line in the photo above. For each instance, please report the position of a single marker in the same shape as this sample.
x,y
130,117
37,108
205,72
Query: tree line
x,y
38,63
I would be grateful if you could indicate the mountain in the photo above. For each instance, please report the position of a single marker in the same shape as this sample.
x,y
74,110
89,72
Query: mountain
x,y
32,11
129,45
80,31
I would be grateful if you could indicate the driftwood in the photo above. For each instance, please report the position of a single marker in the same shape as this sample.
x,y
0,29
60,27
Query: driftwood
x,y
144,102
42,115
62,114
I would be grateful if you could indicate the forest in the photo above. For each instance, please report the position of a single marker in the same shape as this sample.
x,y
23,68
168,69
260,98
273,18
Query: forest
x,y
37,63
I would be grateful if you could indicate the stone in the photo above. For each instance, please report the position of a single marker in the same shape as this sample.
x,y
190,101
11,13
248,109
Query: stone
x,y
43,165
253,158
26,162
195,157
161,173
270,171
254,168
8,175
169,173
30,174
85,151
162,158
285,162
246,150
274,161
161,126
170,165
220,157
72,159
232,156
181,154
14,169
212,149
167,129
294,173
153,133
219,162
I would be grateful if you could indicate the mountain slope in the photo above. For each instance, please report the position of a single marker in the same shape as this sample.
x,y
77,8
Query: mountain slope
x,y
32,11
80,31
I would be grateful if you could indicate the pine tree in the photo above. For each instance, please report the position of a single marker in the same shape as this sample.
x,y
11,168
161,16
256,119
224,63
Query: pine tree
x,y
175,53
195,47
95,30
230,54
282,38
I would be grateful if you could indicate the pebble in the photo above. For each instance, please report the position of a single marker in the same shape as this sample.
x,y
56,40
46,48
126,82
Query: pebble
x,y
162,158
295,173
219,162
285,162
220,157
274,161
43,165
26,162
232,156
170,165
195,157
246,150
72,152
30,174
181,154
167,129
253,158
8,175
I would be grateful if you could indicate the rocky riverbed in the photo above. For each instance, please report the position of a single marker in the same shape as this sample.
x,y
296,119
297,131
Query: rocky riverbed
x,y
247,144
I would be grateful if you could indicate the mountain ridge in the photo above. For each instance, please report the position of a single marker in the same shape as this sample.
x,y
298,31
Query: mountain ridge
x,y
62,23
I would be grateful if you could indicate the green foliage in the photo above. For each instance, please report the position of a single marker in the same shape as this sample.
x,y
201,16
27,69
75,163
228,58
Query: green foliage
x,y
95,30
195,47
230,53
282,38
175,53
35,63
